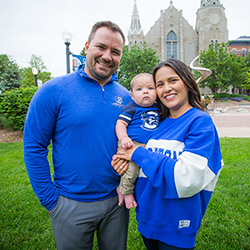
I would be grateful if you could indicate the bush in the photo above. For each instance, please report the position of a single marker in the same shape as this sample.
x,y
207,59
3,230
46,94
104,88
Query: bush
x,y
14,105
234,97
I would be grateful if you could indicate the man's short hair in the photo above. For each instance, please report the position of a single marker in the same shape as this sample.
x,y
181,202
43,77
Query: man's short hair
x,y
110,25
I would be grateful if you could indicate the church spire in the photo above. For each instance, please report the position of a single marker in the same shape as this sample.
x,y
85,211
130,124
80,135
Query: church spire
x,y
135,27
135,33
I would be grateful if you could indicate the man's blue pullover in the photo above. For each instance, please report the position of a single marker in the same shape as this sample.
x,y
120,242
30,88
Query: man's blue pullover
x,y
79,116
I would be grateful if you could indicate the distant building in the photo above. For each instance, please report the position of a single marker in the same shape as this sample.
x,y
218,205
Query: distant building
x,y
240,46
173,37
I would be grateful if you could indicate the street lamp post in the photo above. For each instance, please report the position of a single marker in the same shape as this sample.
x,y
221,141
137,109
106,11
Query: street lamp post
x,y
34,71
67,37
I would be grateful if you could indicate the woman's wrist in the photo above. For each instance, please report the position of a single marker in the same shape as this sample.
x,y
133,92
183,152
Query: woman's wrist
x,y
138,154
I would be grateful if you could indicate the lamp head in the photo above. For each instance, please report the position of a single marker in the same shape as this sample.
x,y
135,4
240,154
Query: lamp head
x,y
67,36
34,71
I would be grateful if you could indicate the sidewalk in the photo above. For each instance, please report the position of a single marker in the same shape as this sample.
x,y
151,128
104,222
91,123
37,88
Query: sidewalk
x,y
232,119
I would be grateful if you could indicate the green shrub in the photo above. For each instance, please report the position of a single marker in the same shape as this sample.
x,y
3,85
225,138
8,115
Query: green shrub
x,y
14,105
228,96
4,123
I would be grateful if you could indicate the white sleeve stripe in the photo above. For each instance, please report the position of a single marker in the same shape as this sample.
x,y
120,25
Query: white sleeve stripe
x,y
192,174
210,187
125,117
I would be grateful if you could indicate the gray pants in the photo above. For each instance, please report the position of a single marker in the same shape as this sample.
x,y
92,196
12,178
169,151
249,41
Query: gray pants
x,y
74,224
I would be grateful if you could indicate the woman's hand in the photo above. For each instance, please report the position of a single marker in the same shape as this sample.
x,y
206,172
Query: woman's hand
x,y
126,154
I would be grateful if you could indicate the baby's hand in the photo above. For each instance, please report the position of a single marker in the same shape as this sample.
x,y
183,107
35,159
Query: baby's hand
x,y
126,142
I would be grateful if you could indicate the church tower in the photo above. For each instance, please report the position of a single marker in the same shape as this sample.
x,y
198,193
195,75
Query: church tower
x,y
211,24
172,36
135,33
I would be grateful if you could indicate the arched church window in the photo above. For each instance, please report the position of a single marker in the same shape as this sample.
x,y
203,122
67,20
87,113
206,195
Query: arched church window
x,y
152,45
171,36
212,34
234,52
171,44
213,43
217,33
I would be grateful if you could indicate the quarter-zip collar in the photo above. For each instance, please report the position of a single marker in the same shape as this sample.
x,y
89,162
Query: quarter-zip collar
x,y
82,73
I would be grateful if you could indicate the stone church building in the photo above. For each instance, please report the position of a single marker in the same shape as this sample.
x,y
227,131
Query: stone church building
x,y
173,37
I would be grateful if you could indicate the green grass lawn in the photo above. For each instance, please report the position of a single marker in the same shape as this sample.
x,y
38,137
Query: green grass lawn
x,y
226,225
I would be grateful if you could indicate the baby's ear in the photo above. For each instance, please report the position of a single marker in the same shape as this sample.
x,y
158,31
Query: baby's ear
x,y
132,95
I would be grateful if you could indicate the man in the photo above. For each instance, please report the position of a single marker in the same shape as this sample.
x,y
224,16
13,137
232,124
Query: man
x,y
78,113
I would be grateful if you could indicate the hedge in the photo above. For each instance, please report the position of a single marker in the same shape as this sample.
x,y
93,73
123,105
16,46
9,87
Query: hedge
x,y
14,105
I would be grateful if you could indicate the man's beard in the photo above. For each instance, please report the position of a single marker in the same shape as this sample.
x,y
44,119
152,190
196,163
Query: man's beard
x,y
98,75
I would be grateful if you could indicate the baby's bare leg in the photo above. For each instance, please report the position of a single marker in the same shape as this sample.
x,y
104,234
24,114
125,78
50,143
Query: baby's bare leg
x,y
129,201
120,196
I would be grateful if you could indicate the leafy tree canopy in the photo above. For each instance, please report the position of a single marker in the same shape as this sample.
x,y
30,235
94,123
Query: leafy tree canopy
x,y
227,69
5,62
10,78
246,60
28,78
82,53
246,85
136,61
9,73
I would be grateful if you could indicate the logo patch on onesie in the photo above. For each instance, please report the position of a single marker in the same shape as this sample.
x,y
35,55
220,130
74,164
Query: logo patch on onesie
x,y
150,120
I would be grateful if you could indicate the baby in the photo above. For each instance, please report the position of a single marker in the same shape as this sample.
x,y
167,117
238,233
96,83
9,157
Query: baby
x,y
135,125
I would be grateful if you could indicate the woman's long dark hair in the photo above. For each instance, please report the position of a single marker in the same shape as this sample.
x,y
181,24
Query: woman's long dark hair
x,y
194,96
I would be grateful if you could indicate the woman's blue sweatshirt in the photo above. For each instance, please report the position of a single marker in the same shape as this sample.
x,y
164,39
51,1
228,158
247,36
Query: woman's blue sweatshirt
x,y
179,171
79,116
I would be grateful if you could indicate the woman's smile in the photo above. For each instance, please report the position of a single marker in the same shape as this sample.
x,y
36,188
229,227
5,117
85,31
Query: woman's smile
x,y
172,91
170,97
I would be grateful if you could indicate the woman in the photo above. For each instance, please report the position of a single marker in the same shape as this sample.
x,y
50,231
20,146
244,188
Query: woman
x,y
180,165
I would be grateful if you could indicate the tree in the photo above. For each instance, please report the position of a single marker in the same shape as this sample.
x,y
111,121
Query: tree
x,y
4,64
246,85
11,78
227,69
246,60
9,73
82,53
239,72
136,61
27,75
217,59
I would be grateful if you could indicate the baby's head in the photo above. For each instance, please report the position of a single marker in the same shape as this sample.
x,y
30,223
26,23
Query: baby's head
x,y
143,90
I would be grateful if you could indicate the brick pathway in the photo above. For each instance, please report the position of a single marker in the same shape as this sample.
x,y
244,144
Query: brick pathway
x,y
232,119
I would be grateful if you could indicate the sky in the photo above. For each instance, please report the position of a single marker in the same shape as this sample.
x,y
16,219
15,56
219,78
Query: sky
x,y
35,27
